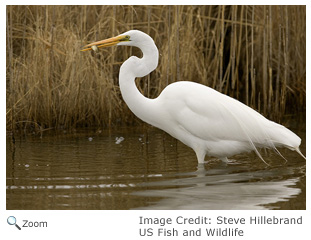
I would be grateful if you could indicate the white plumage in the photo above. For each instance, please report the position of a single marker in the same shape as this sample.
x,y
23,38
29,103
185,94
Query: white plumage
x,y
204,119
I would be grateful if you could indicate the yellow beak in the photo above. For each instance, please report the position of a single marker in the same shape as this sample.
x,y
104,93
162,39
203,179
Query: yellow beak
x,y
106,43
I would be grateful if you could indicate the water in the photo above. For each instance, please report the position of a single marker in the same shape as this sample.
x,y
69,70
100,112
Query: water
x,y
144,168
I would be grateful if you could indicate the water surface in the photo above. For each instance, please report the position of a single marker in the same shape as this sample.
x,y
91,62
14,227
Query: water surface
x,y
144,168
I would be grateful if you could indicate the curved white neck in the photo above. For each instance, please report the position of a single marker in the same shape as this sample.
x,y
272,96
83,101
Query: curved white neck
x,y
144,108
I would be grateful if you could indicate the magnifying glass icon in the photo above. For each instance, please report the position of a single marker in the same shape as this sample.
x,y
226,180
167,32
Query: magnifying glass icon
x,y
12,221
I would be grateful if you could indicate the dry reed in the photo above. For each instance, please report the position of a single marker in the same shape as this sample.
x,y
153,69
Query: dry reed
x,y
256,54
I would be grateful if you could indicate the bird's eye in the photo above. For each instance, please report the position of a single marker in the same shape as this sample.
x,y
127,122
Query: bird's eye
x,y
126,38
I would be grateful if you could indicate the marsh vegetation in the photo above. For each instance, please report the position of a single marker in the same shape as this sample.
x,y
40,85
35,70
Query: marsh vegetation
x,y
256,54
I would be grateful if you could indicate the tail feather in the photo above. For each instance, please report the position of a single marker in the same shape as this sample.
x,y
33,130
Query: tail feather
x,y
278,152
259,155
298,151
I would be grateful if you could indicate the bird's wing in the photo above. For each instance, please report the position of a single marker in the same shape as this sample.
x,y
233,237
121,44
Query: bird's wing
x,y
212,116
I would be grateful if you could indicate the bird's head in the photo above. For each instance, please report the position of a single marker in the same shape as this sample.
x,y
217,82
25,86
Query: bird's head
x,y
131,38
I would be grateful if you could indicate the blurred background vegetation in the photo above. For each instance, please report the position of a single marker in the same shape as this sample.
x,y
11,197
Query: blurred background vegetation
x,y
256,54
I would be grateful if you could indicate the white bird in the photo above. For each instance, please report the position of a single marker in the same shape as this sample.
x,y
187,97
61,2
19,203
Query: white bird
x,y
204,119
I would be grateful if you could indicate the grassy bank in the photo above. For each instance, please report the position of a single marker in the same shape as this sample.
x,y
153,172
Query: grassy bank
x,y
256,54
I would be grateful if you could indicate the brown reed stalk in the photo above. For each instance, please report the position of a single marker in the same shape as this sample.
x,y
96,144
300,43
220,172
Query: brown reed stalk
x,y
285,42
264,61
10,72
221,51
270,47
177,42
233,46
246,59
252,60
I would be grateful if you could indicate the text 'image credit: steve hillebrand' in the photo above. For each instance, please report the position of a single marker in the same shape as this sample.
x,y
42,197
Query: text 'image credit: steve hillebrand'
x,y
205,226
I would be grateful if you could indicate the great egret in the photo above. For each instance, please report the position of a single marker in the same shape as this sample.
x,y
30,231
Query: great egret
x,y
208,121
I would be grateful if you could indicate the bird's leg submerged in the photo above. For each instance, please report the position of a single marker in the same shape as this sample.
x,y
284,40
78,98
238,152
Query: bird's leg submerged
x,y
224,159
200,155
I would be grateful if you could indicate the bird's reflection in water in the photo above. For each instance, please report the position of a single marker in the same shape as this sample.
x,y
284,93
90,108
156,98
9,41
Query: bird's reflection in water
x,y
224,188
